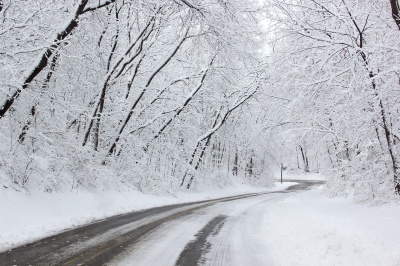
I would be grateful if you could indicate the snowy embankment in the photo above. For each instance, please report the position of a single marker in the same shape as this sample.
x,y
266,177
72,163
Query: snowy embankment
x,y
307,228
25,218
301,228
299,176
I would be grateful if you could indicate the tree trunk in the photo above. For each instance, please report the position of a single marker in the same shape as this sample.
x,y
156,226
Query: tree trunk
x,y
33,112
395,12
95,120
181,107
305,160
389,137
113,146
42,60
391,148
250,166
199,161
96,129
384,116
201,154
235,164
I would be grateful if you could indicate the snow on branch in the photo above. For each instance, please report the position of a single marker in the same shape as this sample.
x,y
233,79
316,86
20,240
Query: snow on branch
x,y
98,5
142,126
238,103
190,5
187,100
42,59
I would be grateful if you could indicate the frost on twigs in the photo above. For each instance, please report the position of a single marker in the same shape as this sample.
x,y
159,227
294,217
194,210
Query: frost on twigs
x,y
115,95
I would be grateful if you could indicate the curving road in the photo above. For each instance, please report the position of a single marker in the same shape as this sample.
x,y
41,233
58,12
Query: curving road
x,y
225,231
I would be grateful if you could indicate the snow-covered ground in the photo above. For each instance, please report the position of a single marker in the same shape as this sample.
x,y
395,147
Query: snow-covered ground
x,y
238,242
25,218
308,228
299,228
298,176
304,228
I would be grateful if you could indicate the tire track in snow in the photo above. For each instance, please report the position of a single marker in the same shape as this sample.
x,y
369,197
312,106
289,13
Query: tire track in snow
x,y
239,241
192,253
102,239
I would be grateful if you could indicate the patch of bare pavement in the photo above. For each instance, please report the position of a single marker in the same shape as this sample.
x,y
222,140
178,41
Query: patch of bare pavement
x,y
100,242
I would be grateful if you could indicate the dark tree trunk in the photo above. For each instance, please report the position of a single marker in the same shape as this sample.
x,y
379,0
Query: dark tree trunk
x,y
396,16
199,160
180,109
297,157
391,148
235,164
305,160
25,129
385,119
43,59
250,166
217,125
201,154
113,146
96,129
33,112
394,4
94,123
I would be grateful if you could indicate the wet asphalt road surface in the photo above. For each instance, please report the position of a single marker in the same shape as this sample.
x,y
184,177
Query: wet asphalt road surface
x,y
100,242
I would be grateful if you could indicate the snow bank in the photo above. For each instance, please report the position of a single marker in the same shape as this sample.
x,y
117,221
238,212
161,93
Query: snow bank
x,y
25,218
299,176
310,229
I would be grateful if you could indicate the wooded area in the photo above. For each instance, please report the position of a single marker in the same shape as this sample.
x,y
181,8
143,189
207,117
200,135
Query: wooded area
x,y
178,94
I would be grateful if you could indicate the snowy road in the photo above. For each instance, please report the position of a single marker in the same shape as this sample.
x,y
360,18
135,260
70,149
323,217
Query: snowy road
x,y
217,232
226,233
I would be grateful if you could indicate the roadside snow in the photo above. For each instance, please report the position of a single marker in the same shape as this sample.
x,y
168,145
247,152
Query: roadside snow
x,y
299,176
25,218
283,229
310,229
235,243
303,228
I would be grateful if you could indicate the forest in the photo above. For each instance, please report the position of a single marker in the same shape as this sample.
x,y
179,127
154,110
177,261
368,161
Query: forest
x,y
169,95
